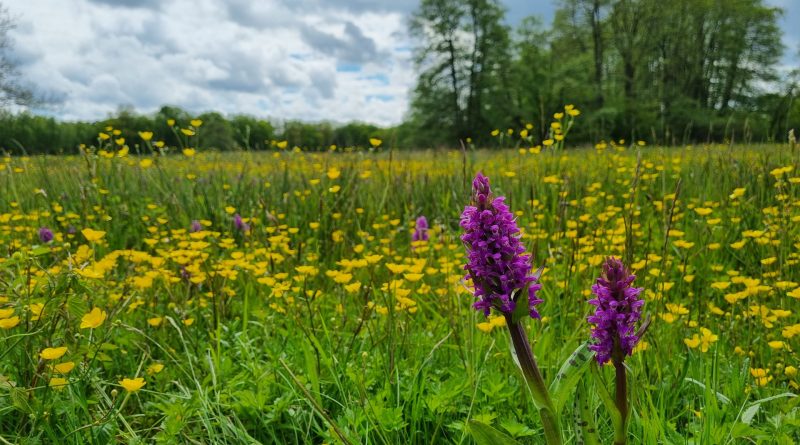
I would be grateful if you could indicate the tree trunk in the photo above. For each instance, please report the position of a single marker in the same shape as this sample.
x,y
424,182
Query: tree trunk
x,y
451,51
597,34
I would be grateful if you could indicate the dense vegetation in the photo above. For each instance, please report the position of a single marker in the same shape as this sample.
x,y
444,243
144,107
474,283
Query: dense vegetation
x,y
279,298
665,71
670,71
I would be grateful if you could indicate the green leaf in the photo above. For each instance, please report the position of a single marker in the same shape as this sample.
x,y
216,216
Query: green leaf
x,y
521,309
39,251
741,430
570,374
775,397
517,429
19,398
585,425
750,413
77,307
486,435
752,410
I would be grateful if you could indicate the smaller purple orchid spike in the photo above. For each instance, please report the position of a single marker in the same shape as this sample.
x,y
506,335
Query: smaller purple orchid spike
x,y
618,311
239,223
196,226
420,230
45,235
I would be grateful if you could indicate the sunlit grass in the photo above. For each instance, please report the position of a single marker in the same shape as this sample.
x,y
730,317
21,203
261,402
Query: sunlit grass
x,y
323,323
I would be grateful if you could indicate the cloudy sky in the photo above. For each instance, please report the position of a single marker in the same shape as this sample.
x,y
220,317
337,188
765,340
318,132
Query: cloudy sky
x,y
314,60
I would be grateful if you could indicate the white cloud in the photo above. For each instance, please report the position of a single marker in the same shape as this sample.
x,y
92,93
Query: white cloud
x,y
336,60
309,60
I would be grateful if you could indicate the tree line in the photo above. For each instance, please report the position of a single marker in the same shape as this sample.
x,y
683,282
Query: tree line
x,y
26,133
665,71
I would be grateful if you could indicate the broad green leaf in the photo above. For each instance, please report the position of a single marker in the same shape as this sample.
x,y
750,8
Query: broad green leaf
x,y
740,430
585,426
486,435
19,398
521,309
752,410
517,429
77,307
750,413
569,375
39,251
775,397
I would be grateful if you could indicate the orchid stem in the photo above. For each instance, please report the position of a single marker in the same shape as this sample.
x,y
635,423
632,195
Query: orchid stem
x,y
621,400
541,397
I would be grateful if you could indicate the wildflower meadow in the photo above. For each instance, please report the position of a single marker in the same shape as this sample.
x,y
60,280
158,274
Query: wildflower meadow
x,y
625,293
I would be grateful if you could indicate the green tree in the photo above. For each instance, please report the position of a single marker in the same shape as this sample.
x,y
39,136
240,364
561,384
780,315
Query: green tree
x,y
463,55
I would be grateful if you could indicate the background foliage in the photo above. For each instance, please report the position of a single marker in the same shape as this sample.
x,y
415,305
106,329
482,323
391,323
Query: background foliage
x,y
665,71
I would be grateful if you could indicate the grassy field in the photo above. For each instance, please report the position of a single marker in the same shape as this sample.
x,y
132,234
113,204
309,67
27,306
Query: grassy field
x,y
315,318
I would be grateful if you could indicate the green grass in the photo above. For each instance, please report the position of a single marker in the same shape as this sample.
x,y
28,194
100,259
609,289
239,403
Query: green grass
x,y
276,355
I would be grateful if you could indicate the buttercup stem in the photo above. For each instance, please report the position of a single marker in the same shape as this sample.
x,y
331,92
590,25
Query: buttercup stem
x,y
541,398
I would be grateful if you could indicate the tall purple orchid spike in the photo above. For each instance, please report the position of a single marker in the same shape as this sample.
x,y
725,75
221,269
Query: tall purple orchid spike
x,y
497,264
501,274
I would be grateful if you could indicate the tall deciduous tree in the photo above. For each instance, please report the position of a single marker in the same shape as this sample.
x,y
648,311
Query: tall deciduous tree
x,y
11,92
462,55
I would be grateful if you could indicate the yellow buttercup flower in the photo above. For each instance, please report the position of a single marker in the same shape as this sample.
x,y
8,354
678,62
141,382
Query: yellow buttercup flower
x,y
92,235
8,323
64,368
58,383
703,211
53,353
155,368
703,341
761,376
132,385
737,193
93,319
36,311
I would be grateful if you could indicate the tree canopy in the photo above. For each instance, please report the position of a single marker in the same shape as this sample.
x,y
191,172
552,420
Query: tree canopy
x,y
671,71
